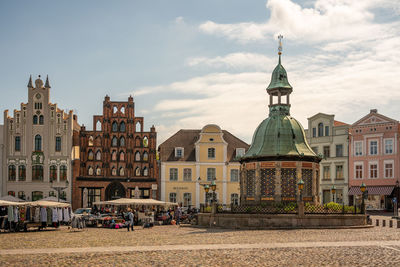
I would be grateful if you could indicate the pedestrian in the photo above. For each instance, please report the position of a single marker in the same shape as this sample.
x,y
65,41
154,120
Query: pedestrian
x,y
178,214
130,219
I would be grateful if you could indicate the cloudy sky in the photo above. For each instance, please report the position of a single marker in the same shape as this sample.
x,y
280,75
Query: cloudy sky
x,y
190,63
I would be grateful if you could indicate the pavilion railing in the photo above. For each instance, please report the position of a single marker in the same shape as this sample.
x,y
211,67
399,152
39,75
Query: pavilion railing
x,y
270,208
331,208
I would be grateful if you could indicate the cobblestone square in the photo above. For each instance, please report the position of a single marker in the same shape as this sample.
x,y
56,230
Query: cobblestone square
x,y
191,246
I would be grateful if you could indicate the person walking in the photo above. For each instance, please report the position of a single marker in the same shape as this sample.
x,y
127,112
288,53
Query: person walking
x,y
178,214
130,219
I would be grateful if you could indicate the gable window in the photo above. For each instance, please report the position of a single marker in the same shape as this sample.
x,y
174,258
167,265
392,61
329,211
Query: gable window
x,y
173,174
240,152
38,143
234,175
373,170
210,174
211,153
358,148
359,171
320,129
17,143
339,150
373,147
58,143
314,132
179,152
388,169
187,174
388,146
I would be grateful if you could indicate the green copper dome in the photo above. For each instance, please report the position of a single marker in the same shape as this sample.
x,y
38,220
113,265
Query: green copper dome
x,y
279,78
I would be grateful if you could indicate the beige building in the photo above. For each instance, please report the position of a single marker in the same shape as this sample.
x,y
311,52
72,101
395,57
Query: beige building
x,y
192,158
328,138
38,147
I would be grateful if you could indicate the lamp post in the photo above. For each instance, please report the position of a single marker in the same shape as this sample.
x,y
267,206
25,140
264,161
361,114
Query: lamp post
x,y
59,188
396,200
362,188
300,184
333,192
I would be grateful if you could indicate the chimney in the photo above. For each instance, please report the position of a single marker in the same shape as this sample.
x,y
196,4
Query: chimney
x,y
373,110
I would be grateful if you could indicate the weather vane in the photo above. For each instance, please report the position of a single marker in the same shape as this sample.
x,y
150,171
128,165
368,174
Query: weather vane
x,y
280,37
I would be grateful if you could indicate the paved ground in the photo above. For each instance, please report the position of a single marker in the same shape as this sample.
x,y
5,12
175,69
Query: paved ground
x,y
186,246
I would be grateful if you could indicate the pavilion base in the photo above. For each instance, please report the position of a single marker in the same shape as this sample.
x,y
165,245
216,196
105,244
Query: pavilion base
x,y
268,221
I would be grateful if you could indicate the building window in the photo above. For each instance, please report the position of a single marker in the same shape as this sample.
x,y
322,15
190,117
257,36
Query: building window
x,y
211,153
115,126
90,140
58,143
339,172
172,197
12,173
326,173
373,147
137,171
234,199
38,143
173,174
320,129
21,195
11,193
373,170
315,149
358,148
90,171
240,152
63,173
122,127
37,195
145,171
21,172
52,193
314,132
234,175
187,174
187,199
339,196
179,152
35,119
121,156
17,143
37,173
388,146
326,130
114,141
114,155
41,119
210,174
339,150
121,171
53,173
98,171
90,155
113,171
122,141
137,156
326,152
145,141
145,156
388,170
98,155
359,171
94,195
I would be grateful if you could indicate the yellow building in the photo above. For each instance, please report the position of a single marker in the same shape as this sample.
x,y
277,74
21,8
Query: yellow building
x,y
192,158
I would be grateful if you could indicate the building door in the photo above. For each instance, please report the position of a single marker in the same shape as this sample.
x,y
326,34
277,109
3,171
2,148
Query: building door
x,y
326,196
115,190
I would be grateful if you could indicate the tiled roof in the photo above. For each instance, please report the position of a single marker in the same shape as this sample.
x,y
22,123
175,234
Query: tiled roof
x,y
187,140
339,123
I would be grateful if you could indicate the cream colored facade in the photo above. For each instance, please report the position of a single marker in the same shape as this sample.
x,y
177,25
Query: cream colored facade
x,y
38,120
177,188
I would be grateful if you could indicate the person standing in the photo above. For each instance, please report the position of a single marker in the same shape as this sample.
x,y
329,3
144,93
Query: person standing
x,y
178,214
130,219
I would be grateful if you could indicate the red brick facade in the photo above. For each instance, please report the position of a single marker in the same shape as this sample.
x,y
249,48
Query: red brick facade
x,y
116,157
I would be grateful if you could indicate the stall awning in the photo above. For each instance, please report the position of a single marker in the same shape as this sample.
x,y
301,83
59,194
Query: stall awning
x,y
372,190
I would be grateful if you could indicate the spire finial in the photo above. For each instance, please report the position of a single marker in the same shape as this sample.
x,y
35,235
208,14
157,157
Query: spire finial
x,y
47,85
280,37
30,82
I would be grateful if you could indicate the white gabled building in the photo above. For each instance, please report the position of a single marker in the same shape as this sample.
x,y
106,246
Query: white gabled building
x,y
329,138
37,147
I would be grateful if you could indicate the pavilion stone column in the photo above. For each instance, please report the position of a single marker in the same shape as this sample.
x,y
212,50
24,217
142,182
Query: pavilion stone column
x,y
315,179
278,182
257,185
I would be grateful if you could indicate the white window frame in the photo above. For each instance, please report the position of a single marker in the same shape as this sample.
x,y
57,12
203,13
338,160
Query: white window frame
x,y
208,152
384,168
189,203
384,143
369,147
186,179
215,174
232,170
240,152
176,197
355,148
355,170
369,169
179,150
177,174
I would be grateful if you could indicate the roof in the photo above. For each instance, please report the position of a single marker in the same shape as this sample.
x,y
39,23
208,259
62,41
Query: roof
x,y
187,139
279,78
339,123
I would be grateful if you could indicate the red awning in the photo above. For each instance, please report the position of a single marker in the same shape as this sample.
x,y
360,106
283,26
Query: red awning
x,y
372,190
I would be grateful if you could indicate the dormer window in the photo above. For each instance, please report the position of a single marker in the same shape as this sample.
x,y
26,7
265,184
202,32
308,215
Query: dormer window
x,y
179,152
240,152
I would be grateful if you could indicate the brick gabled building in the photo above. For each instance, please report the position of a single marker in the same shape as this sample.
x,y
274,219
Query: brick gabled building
x,y
117,158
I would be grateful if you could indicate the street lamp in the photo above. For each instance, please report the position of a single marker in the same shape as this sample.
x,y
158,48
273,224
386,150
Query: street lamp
x,y
59,188
362,188
300,184
333,192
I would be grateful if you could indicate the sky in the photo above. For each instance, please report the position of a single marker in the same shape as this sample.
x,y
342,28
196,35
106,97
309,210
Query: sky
x,y
192,63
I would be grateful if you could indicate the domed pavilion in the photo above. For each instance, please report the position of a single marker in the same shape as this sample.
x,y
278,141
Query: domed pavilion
x,y
279,156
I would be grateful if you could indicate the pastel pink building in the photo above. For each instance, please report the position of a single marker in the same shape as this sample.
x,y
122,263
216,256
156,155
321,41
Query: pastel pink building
x,y
374,159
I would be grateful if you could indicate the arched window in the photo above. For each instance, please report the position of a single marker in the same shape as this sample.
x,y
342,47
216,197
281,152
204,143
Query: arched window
x,y
137,156
35,119
121,156
145,141
320,129
90,170
41,119
114,155
21,172
121,171
38,143
53,173
123,110
115,126
90,155
122,127
137,141
145,171
137,171
122,141
113,171
11,173
98,141
58,143
115,109
63,173
98,155
114,141
138,127
98,125
90,140
145,156
98,171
